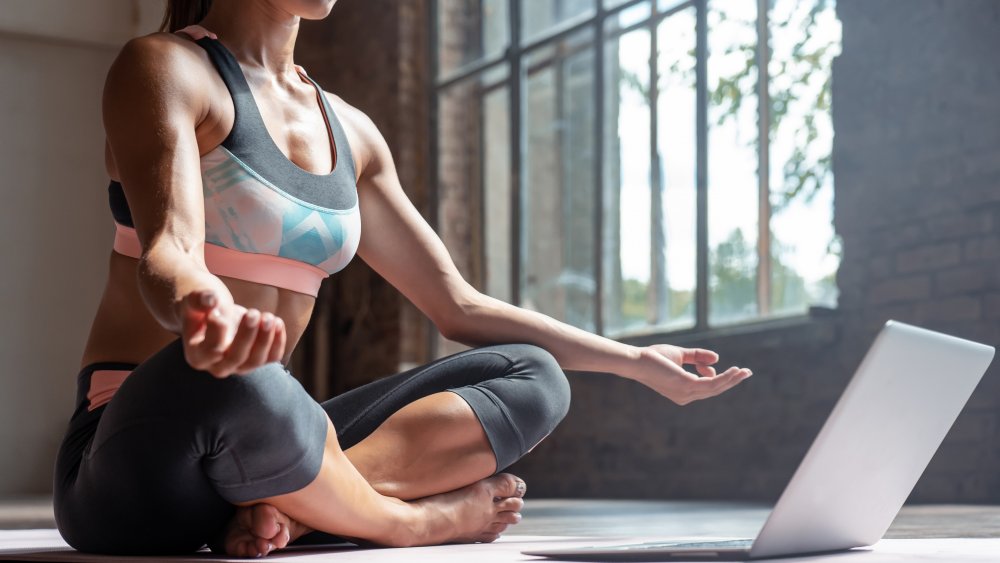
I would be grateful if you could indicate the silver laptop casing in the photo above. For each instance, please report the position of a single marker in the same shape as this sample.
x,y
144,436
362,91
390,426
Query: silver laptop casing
x,y
877,441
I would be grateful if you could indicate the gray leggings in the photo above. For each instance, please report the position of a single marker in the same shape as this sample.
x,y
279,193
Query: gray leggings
x,y
157,470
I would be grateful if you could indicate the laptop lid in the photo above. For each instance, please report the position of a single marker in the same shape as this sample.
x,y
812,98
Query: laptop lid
x,y
877,441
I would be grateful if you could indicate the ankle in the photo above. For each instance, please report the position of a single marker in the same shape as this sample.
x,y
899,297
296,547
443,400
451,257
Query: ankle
x,y
412,525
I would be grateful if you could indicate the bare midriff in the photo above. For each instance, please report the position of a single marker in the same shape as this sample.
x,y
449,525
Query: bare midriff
x,y
125,331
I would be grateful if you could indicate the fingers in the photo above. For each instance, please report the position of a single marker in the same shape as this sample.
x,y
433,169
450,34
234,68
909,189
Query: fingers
x,y
218,335
277,352
260,348
241,347
699,356
202,328
236,342
194,309
710,387
705,371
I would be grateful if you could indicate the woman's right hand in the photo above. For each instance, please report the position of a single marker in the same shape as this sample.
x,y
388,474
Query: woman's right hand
x,y
224,338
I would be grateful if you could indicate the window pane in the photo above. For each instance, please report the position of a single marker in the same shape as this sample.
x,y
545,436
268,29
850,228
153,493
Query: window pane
x,y
470,30
539,16
629,16
557,199
667,5
627,234
805,36
677,141
470,143
732,161
496,183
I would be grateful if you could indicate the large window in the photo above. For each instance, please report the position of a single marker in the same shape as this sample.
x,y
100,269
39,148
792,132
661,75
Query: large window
x,y
636,166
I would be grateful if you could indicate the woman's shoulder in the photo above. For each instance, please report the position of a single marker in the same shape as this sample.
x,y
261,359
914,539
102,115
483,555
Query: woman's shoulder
x,y
162,56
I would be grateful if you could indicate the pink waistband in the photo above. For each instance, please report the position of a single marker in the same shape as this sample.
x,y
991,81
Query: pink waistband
x,y
264,269
103,384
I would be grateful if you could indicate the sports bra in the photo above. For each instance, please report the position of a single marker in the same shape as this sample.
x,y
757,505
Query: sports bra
x,y
266,219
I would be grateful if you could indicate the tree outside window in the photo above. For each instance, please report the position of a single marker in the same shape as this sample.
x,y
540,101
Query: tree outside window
x,y
628,167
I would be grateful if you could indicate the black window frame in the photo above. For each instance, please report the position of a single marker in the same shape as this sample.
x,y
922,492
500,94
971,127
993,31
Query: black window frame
x,y
597,20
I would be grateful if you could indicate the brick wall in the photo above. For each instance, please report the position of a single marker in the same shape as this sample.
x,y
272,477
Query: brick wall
x,y
917,168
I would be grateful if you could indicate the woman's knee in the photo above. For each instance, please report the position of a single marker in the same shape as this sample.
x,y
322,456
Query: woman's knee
x,y
549,390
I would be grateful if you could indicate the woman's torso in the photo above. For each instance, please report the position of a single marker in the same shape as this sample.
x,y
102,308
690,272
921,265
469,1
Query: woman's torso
x,y
123,329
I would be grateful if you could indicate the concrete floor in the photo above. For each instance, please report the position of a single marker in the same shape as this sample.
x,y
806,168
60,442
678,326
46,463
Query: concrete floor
x,y
615,518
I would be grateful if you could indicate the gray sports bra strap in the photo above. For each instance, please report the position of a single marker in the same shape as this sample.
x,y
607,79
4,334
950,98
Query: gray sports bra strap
x,y
344,156
250,141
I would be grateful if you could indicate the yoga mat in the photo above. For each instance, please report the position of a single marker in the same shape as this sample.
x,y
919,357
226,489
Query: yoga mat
x,y
46,545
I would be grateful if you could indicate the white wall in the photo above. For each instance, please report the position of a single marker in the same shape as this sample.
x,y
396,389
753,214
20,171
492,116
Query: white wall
x,y
55,227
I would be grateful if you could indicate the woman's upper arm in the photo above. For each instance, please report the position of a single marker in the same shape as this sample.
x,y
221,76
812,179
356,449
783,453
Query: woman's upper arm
x,y
152,104
398,243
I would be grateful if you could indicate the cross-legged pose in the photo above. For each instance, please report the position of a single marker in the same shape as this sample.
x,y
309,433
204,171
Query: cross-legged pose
x,y
238,185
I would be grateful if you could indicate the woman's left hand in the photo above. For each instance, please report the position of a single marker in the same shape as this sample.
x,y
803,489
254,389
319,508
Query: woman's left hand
x,y
659,367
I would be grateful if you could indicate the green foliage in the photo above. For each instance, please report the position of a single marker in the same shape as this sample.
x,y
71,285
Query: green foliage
x,y
733,275
733,278
803,176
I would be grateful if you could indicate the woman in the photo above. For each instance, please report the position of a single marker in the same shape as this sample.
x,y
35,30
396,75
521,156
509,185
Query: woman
x,y
238,186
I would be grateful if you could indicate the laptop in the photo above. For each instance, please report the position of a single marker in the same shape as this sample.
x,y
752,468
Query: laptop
x,y
877,441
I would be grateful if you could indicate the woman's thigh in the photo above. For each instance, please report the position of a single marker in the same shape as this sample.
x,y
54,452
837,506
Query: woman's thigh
x,y
175,449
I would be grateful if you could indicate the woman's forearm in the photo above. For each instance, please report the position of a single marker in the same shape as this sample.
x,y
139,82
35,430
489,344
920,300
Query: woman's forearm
x,y
166,275
486,320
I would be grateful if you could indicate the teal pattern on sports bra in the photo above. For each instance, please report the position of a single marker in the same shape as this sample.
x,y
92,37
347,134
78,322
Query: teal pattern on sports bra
x,y
245,212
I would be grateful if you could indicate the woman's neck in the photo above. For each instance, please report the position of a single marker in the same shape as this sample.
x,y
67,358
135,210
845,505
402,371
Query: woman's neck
x,y
257,32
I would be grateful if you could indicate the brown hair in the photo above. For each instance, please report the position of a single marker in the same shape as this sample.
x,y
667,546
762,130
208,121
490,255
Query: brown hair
x,y
182,13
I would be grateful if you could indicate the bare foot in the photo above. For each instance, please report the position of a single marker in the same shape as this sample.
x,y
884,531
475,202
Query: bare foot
x,y
256,531
479,512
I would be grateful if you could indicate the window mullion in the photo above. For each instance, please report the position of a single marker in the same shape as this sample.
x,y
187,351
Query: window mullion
x,y
598,172
659,310
431,341
515,79
701,164
764,163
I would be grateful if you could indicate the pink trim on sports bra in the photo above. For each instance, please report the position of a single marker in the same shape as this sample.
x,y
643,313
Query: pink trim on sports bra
x,y
258,268
103,384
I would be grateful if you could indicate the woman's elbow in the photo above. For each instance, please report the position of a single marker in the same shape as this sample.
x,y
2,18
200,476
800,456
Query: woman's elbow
x,y
458,320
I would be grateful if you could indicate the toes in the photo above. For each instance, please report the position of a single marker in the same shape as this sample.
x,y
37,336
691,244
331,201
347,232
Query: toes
x,y
283,537
512,504
265,521
246,548
262,546
509,517
507,485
